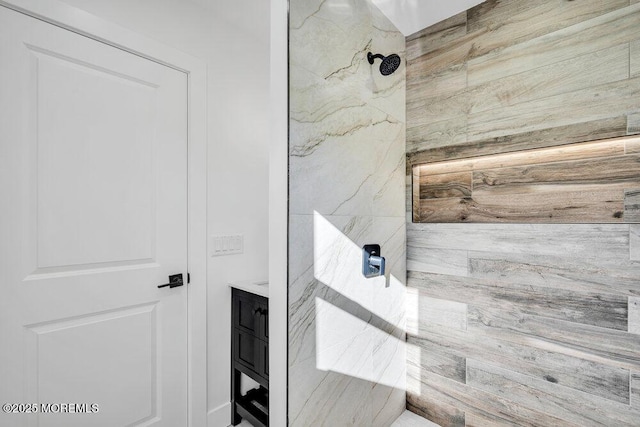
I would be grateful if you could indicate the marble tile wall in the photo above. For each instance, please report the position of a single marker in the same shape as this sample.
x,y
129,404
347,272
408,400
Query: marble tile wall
x,y
346,189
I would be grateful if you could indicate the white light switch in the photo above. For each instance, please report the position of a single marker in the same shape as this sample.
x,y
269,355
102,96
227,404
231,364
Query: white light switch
x,y
227,245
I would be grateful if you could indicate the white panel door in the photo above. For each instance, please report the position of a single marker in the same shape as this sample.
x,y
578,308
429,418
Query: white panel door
x,y
93,217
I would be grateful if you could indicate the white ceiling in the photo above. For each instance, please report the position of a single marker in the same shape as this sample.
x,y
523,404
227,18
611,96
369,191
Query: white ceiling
x,y
410,16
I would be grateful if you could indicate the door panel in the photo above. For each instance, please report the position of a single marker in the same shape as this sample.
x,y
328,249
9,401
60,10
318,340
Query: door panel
x,y
96,182
49,353
93,183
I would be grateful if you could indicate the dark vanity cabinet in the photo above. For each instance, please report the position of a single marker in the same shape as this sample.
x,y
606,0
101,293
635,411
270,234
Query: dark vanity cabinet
x,y
250,356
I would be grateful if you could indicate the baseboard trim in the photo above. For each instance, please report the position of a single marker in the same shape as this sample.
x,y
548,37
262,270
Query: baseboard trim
x,y
220,416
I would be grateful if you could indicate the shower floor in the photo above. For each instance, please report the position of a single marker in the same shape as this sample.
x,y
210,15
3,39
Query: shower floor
x,y
409,419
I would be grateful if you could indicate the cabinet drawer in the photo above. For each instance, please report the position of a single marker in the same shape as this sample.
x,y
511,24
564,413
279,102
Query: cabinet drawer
x,y
247,350
250,313
263,353
253,354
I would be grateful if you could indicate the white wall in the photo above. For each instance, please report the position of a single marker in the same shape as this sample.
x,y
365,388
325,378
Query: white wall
x,y
237,54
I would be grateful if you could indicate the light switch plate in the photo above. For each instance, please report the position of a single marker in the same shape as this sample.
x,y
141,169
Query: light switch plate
x,y
230,244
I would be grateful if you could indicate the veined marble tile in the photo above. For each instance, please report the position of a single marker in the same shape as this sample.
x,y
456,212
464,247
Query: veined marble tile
x,y
389,366
300,248
389,323
347,167
314,99
388,95
389,358
389,176
409,419
332,273
344,13
388,404
329,273
337,252
326,398
339,319
328,42
333,162
342,339
388,92
388,296
300,10
368,368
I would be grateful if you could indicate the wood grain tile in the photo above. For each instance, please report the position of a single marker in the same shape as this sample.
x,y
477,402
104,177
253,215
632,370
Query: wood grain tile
x,y
533,186
549,137
615,274
591,377
603,310
440,360
436,36
613,28
568,207
434,186
473,419
421,83
635,390
413,195
567,404
539,16
613,170
634,69
426,390
439,261
547,204
633,123
434,311
634,315
438,134
440,413
533,21
606,346
449,210
458,51
585,71
632,146
564,153
632,205
517,29
582,241
594,103
634,242
549,305
422,110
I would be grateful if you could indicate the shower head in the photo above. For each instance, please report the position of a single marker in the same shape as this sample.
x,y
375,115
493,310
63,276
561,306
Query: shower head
x,y
389,63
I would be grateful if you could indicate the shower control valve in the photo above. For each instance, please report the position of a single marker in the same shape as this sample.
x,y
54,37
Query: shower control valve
x,y
372,263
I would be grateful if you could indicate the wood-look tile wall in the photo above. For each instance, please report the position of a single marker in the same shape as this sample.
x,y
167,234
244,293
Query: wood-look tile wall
x,y
523,324
589,182
548,72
